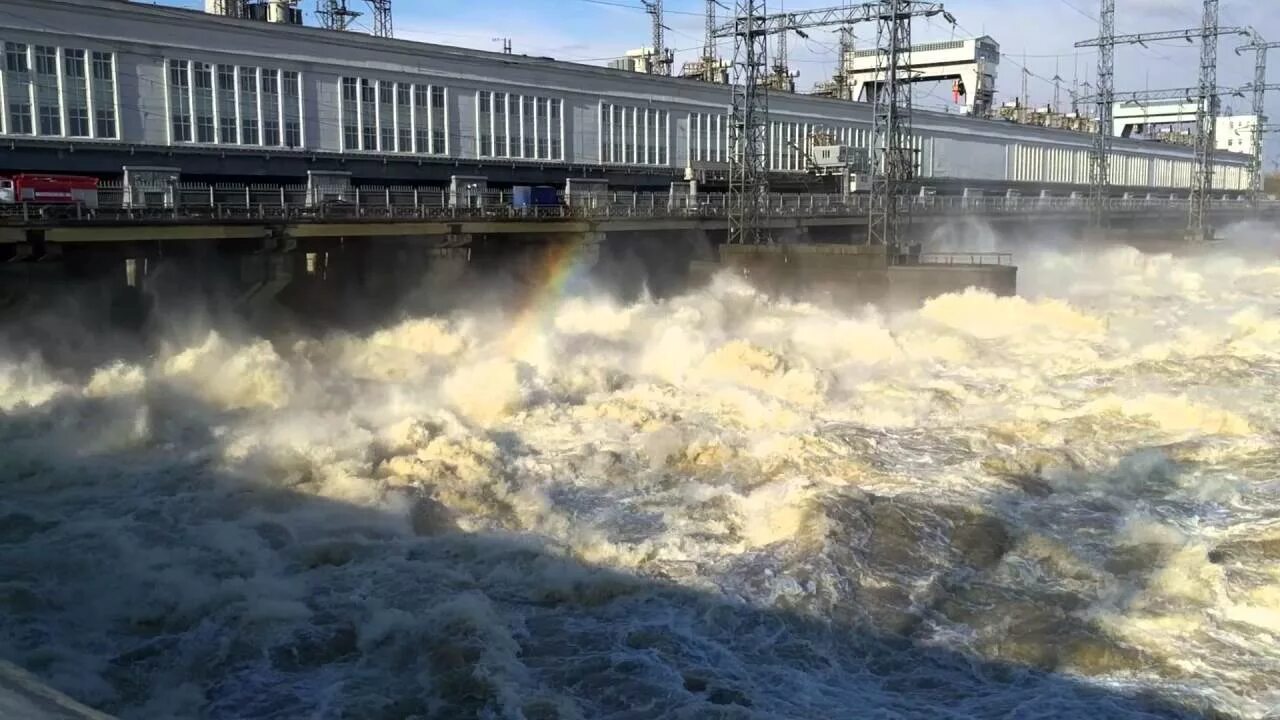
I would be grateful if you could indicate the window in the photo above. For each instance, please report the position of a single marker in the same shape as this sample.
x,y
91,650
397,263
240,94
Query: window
x,y
227,130
178,73
46,60
388,138
249,131
367,93
102,69
249,81
437,141
402,95
20,118
73,61
271,133
485,149
437,98
78,122
181,127
270,83
204,128
203,74
420,97
226,78
384,93
292,133
555,110
349,89
369,138
556,151
421,140
405,138
350,137
485,103
106,122
15,57
542,108
50,120
291,84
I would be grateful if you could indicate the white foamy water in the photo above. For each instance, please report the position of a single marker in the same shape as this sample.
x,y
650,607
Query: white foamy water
x,y
1059,505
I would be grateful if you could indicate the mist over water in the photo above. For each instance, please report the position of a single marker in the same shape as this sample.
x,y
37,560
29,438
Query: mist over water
x,y
718,505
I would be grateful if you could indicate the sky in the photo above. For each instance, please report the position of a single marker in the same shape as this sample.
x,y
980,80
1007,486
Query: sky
x,y
1037,34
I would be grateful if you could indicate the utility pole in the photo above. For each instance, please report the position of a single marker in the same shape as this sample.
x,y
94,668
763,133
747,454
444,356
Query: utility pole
x,y
892,160
335,15
506,45
1260,47
382,25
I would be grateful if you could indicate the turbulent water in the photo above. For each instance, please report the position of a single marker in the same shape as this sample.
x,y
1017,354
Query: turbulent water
x,y
714,506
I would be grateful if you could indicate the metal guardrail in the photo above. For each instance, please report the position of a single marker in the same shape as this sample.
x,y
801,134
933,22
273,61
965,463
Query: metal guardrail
x,y
289,203
964,258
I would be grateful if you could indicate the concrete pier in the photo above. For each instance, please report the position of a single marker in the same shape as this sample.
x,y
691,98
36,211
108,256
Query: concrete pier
x,y
846,275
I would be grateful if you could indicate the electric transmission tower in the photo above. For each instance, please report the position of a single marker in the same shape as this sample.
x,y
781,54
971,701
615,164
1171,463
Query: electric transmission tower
x,y
1104,87
1259,87
661,59
1206,125
748,178
893,154
1206,110
335,15
709,60
382,25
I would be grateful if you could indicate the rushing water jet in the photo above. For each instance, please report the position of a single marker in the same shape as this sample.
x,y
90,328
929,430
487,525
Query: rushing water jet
x,y
714,505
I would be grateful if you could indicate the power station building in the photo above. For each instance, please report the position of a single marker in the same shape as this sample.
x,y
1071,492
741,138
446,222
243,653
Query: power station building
x,y
92,85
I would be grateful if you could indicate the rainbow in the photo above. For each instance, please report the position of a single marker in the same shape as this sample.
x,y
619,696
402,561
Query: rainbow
x,y
560,265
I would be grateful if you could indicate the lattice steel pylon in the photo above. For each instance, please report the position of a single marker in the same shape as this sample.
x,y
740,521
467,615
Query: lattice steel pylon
x,y
748,178
1104,86
748,173
1206,121
1259,46
660,58
709,59
893,156
335,15
382,20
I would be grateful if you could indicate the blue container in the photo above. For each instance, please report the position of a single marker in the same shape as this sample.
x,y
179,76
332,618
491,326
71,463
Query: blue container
x,y
545,196
522,196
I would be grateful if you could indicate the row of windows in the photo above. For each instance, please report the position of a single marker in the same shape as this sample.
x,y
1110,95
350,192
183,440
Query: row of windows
x,y
634,136
708,138
399,117
58,92
519,126
234,105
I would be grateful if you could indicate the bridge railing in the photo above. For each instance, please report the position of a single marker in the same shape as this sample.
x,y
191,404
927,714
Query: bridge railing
x,y
248,202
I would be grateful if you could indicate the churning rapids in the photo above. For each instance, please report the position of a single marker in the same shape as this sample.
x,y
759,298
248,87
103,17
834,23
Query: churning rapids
x,y
713,506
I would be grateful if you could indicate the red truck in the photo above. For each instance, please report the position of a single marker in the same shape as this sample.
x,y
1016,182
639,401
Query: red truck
x,y
49,191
